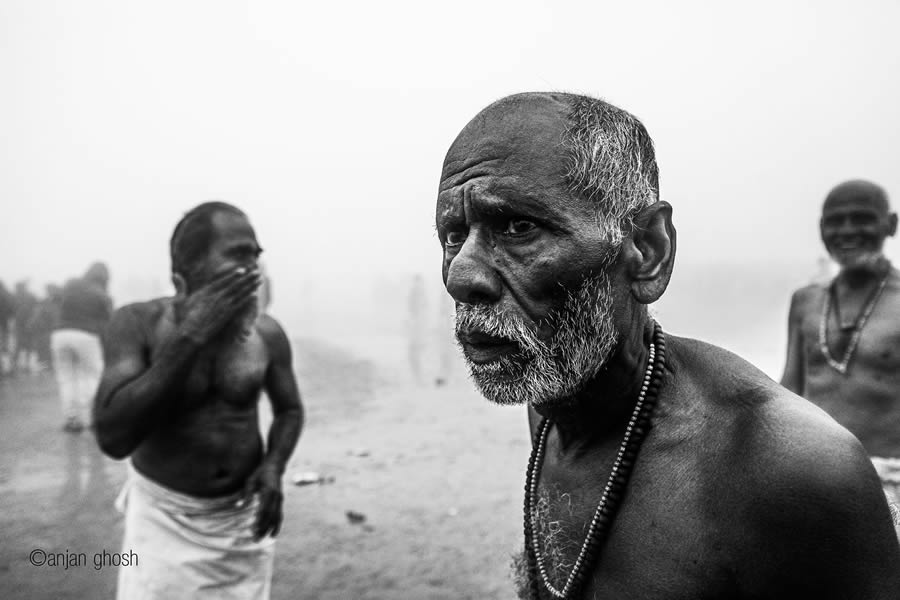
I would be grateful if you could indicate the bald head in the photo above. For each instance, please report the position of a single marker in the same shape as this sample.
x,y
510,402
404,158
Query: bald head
x,y
858,191
516,115
856,220
595,151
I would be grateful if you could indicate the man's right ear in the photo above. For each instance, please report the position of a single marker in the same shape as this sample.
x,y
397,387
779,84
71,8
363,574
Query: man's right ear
x,y
180,285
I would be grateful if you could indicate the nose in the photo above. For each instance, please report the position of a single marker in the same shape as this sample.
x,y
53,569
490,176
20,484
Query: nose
x,y
471,278
845,226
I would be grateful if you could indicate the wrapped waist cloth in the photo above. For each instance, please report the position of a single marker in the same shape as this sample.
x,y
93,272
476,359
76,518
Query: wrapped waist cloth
x,y
889,471
190,547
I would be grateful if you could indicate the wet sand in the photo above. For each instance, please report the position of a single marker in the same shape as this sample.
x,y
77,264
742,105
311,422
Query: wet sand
x,y
436,471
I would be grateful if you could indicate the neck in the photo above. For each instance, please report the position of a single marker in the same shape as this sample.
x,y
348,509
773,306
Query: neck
x,y
860,276
604,405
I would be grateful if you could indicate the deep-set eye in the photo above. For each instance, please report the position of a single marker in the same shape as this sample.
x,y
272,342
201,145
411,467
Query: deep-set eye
x,y
863,219
455,238
519,227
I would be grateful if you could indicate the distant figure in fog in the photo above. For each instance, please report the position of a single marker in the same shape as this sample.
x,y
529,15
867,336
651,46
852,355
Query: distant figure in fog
x,y
843,333
7,312
26,302
416,327
84,310
444,340
43,322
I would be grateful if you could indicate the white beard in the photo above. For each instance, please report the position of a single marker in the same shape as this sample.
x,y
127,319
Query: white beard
x,y
859,261
545,373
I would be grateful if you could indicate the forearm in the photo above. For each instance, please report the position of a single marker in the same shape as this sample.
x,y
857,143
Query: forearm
x,y
283,435
126,413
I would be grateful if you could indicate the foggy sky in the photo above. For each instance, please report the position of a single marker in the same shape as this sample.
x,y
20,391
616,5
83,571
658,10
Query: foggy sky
x,y
328,123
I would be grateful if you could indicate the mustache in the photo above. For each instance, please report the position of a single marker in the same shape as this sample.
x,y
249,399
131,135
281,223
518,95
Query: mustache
x,y
489,320
486,319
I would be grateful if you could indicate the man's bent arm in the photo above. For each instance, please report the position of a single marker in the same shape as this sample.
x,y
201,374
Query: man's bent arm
x,y
281,387
794,367
134,395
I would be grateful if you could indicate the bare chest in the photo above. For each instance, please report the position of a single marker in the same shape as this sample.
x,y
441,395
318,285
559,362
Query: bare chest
x,y
870,344
231,375
666,540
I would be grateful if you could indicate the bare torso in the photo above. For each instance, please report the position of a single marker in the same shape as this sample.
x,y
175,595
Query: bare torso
x,y
865,400
211,443
700,518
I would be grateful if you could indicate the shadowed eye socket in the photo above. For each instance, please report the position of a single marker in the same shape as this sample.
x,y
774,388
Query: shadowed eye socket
x,y
455,237
519,227
244,252
856,218
863,219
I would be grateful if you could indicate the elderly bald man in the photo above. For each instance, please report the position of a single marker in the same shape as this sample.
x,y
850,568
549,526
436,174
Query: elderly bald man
x,y
662,466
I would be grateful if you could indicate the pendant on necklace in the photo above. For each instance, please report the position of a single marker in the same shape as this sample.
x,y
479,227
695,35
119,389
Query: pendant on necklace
x,y
856,327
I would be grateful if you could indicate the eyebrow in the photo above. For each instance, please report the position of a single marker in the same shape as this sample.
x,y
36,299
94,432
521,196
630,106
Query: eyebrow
x,y
855,210
246,246
501,200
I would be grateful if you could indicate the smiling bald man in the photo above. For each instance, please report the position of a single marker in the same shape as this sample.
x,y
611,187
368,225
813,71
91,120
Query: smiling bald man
x,y
843,335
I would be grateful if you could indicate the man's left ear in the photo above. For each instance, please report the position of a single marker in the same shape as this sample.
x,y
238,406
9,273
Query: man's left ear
x,y
649,253
892,224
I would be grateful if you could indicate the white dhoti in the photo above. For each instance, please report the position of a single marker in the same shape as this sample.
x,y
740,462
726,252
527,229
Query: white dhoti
x,y
189,547
889,471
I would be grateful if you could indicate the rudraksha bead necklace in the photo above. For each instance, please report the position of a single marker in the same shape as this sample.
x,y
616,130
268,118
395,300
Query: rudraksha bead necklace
x,y
857,327
635,432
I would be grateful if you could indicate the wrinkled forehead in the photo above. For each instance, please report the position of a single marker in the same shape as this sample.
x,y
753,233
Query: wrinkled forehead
x,y
522,135
856,195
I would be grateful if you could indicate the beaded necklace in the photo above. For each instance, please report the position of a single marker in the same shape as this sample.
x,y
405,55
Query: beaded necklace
x,y
635,432
841,367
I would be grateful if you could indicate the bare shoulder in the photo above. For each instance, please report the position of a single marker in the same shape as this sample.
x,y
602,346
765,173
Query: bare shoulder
x,y
807,297
274,336
779,430
135,320
802,488
148,311
893,281
815,507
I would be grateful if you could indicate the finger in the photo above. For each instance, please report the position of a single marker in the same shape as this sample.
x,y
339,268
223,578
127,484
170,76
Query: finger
x,y
263,516
257,524
242,286
277,520
236,306
270,514
224,280
249,284
232,310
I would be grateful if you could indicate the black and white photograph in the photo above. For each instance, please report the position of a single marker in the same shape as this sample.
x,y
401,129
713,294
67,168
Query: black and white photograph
x,y
481,300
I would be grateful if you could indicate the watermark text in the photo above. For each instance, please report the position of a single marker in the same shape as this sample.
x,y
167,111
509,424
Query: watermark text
x,y
76,560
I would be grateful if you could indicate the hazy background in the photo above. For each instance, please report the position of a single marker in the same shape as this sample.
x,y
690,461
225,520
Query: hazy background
x,y
328,122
